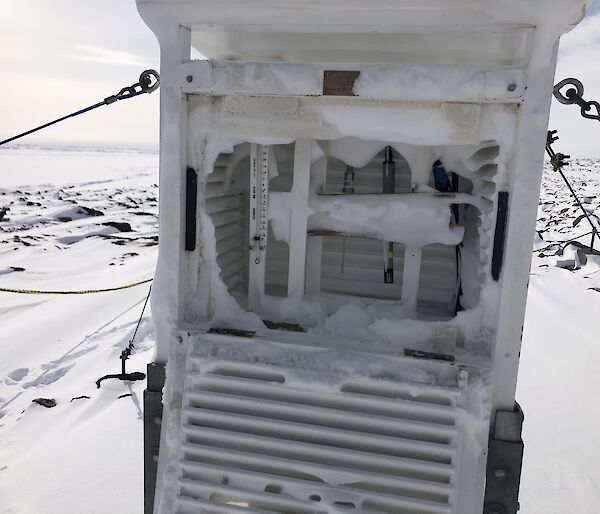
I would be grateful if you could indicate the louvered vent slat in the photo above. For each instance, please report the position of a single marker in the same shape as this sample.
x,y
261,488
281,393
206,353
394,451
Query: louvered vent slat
x,y
195,505
322,416
252,461
254,442
336,437
205,490
409,409
262,481
320,453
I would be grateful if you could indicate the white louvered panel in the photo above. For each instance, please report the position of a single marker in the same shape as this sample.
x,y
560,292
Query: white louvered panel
x,y
253,443
224,203
389,445
362,272
210,475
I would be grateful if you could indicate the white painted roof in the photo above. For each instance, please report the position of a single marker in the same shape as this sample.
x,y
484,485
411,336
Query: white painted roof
x,y
374,31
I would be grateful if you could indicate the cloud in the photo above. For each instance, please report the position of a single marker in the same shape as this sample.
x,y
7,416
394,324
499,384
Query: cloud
x,y
587,33
594,7
105,56
579,51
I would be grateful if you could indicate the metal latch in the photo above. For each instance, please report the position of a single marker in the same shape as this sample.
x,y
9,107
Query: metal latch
x,y
231,332
505,456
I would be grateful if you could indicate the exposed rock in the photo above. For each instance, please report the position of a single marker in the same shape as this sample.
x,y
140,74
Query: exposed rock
x,y
91,212
121,226
83,397
45,402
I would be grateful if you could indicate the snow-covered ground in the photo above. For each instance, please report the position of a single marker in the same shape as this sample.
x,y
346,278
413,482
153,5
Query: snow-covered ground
x,y
85,455
558,377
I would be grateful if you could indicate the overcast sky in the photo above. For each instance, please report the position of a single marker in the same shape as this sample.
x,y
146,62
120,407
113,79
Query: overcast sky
x,y
58,56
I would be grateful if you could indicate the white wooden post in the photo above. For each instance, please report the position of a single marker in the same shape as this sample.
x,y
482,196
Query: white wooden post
x,y
314,249
298,224
314,244
410,278
171,276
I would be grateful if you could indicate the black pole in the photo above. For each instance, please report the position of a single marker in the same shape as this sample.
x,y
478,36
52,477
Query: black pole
x,y
389,187
580,206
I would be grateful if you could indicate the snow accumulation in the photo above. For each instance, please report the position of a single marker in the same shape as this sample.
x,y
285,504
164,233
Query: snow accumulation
x,y
374,216
85,454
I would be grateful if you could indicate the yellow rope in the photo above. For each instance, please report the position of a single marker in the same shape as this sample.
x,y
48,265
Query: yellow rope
x,y
85,291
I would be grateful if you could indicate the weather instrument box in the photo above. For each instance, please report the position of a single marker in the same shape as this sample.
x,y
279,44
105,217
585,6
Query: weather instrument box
x,y
348,194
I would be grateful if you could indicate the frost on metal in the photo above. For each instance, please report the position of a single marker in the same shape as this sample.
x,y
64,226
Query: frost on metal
x,y
363,246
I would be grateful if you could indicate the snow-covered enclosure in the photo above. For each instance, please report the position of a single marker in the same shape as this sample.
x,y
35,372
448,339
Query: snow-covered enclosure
x,y
348,196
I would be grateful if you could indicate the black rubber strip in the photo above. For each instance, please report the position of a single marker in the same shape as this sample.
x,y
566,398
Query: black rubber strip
x,y
499,235
191,197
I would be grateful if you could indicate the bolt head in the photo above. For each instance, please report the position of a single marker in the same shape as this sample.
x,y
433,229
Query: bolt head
x,y
189,78
500,473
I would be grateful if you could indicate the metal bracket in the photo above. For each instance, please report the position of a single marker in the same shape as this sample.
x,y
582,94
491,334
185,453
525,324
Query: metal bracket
x,y
499,234
339,83
418,354
191,198
136,375
224,331
152,421
149,81
505,456
280,325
